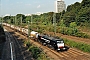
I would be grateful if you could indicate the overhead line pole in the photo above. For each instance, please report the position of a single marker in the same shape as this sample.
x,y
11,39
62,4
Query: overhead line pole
x,y
1,20
21,22
54,23
31,20
28,31
0,13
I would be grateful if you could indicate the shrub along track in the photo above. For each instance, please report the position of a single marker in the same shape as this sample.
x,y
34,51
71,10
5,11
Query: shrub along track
x,y
85,30
71,54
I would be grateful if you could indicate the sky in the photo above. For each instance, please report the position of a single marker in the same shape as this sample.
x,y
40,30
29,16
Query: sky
x,y
14,7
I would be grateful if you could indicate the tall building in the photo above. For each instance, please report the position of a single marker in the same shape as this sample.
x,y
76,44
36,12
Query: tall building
x,y
60,6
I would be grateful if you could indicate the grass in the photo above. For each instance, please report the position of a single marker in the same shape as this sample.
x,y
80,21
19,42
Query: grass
x,y
81,46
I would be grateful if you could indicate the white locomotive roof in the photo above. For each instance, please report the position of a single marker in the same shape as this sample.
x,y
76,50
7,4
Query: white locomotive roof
x,y
33,32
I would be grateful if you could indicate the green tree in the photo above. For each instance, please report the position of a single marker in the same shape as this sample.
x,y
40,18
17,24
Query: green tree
x,y
69,17
85,3
73,27
28,18
20,19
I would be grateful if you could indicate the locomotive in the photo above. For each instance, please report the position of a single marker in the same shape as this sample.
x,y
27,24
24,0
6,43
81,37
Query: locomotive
x,y
53,43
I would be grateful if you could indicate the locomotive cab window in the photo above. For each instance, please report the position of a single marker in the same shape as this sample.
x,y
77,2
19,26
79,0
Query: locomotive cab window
x,y
59,42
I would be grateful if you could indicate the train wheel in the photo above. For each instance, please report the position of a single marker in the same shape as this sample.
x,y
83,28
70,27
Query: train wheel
x,y
44,44
52,48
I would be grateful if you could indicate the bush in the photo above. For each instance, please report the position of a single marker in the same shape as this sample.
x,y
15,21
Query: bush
x,y
27,43
73,32
42,56
40,31
35,51
82,35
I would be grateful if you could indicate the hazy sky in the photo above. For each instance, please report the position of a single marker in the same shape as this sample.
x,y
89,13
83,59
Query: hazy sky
x,y
29,6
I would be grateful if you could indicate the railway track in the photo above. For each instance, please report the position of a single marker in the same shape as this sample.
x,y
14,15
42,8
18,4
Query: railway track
x,y
71,54
16,49
18,52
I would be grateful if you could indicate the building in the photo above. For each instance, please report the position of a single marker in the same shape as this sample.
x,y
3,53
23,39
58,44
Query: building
x,y
27,14
60,6
38,13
